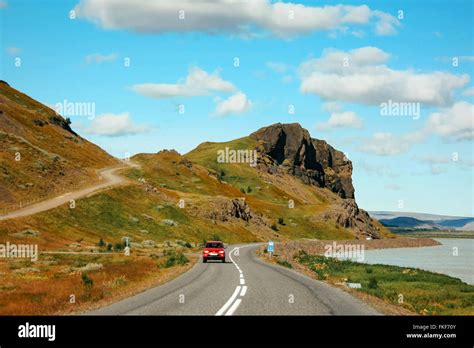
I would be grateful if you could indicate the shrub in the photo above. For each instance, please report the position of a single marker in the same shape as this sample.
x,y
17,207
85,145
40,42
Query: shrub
x,y
249,189
101,243
369,270
281,221
221,174
373,283
118,246
242,190
284,263
109,247
175,259
274,227
87,281
216,237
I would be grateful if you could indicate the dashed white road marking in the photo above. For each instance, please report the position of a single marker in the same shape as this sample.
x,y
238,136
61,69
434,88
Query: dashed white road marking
x,y
242,281
241,275
244,290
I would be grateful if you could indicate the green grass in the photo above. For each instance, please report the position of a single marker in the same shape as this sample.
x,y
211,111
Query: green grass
x,y
119,212
423,292
240,175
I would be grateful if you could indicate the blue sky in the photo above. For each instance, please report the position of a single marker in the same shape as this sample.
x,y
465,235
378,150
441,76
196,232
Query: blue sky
x,y
289,55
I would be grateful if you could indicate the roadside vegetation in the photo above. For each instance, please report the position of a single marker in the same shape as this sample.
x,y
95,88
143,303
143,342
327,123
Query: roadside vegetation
x,y
422,292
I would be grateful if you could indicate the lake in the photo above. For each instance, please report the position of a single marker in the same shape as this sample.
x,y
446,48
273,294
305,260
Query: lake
x,y
438,258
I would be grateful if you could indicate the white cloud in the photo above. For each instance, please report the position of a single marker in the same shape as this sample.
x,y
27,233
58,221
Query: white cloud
x,y
197,83
13,50
100,58
468,92
455,122
248,18
386,144
235,104
115,125
346,119
387,23
366,79
451,123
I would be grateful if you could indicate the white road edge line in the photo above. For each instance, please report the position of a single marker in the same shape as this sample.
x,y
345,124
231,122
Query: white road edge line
x,y
244,290
234,307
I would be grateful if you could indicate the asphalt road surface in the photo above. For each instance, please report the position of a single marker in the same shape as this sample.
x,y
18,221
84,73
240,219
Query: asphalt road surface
x,y
244,285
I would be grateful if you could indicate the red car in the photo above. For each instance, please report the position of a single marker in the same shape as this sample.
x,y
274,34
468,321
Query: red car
x,y
214,250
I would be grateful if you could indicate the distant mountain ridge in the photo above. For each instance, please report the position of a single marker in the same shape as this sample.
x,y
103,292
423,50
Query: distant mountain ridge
x,y
423,221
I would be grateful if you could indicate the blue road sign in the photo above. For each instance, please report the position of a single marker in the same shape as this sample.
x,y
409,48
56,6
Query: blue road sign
x,y
271,247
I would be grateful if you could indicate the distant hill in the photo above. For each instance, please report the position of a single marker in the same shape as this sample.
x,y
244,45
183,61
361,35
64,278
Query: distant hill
x,y
423,221
39,153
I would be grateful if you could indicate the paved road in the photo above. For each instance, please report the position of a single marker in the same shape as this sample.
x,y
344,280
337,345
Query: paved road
x,y
108,177
244,285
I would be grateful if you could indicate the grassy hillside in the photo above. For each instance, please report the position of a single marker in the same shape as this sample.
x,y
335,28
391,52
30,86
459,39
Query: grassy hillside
x,y
39,154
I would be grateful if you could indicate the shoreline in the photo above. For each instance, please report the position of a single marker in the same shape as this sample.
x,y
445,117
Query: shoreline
x,y
317,246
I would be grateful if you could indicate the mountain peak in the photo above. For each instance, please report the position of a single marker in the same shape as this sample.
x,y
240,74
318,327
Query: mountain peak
x,y
314,161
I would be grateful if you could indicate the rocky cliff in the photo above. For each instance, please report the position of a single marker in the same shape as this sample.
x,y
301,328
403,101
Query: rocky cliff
x,y
290,148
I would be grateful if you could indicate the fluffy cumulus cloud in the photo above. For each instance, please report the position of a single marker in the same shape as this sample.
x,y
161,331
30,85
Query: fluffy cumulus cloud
x,y
115,125
455,122
235,104
361,76
241,17
197,83
100,58
345,119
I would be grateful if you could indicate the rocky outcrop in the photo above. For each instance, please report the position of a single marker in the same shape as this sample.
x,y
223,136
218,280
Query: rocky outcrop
x,y
225,209
61,122
290,148
349,215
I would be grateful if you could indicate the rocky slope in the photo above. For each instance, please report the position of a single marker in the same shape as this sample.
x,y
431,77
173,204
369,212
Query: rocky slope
x,y
40,154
